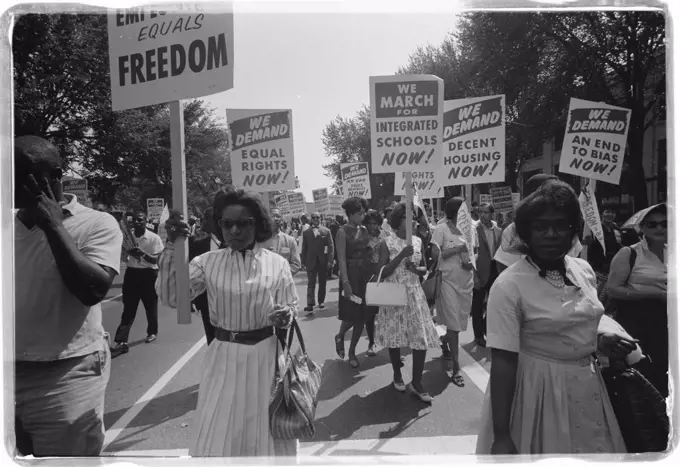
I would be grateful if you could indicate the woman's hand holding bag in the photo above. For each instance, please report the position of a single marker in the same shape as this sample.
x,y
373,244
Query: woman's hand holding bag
x,y
385,293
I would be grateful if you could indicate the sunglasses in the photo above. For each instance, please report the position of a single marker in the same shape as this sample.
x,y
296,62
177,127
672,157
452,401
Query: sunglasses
x,y
654,225
239,223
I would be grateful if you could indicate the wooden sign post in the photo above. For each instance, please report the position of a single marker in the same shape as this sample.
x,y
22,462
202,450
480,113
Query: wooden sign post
x,y
179,203
409,208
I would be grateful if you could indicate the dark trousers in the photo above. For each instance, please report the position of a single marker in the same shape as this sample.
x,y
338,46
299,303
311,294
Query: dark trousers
x,y
478,296
138,284
320,272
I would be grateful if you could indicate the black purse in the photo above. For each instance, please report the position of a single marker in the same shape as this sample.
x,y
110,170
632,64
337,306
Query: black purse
x,y
640,409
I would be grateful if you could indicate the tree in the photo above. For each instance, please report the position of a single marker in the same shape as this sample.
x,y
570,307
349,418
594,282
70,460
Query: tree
x,y
541,60
62,93
349,140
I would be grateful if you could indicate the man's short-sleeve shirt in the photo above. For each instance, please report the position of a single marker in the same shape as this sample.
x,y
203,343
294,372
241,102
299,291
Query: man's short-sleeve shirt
x,y
51,323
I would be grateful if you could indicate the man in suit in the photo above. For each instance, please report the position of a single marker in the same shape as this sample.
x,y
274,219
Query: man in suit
x,y
283,244
488,240
197,247
317,256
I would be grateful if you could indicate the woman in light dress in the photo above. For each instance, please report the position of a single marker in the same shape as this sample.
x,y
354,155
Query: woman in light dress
x,y
250,293
409,326
454,300
546,394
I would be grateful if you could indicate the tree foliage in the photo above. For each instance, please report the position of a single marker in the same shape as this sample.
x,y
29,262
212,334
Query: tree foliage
x,y
62,92
539,61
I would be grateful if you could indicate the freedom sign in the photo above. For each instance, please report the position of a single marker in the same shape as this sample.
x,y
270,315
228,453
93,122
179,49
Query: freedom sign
x,y
595,140
355,180
406,122
426,183
159,55
262,149
591,214
154,209
474,140
321,202
296,203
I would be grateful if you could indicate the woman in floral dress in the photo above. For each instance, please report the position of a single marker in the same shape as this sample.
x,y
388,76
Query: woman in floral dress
x,y
410,326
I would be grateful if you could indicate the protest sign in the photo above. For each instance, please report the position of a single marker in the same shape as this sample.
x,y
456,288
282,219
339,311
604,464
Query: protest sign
x,y
262,149
355,180
466,227
296,203
595,140
406,122
336,205
591,214
484,199
474,140
159,54
165,215
154,209
281,202
77,187
129,241
426,183
321,201
501,198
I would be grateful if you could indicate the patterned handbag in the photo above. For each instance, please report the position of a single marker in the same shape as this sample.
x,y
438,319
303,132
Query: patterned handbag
x,y
295,395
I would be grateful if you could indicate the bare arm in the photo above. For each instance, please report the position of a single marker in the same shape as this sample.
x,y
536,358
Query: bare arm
x,y
502,383
341,243
384,261
617,282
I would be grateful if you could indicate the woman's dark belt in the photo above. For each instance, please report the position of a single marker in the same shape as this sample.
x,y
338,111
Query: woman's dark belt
x,y
244,337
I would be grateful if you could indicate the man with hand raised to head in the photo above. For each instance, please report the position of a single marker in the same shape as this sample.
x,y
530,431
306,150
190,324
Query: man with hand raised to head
x,y
66,256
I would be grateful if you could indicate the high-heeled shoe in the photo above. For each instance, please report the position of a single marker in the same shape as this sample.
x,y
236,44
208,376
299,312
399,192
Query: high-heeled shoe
x,y
399,386
423,396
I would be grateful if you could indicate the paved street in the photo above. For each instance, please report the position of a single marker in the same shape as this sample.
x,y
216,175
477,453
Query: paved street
x,y
153,392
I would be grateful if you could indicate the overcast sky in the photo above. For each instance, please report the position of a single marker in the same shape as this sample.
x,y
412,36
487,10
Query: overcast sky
x,y
318,65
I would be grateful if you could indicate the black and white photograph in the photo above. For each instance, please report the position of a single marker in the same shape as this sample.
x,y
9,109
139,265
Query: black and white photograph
x,y
320,232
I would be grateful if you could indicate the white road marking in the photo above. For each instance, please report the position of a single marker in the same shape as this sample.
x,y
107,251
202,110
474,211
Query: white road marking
x,y
476,372
112,298
113,432
416,446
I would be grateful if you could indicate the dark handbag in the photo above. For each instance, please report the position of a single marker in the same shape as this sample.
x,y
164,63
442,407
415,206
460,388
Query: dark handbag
x,y
295,394
432,285
640,410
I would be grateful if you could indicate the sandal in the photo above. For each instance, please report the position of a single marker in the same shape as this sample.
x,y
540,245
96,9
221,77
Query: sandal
x,y
353,361
340,346
371,351
458,380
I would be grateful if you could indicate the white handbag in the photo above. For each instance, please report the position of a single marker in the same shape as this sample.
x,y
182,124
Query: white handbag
x,y
385,293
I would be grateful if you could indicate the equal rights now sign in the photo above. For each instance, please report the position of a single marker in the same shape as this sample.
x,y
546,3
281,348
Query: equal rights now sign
x,y
355,180
406,122
161,55
595,140
474,140
261,149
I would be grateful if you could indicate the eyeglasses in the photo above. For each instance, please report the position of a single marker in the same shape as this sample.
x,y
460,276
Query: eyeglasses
x,y
654,225
559,227
239,223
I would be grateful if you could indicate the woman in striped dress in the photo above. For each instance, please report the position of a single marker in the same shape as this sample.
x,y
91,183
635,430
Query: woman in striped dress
x,y
250,293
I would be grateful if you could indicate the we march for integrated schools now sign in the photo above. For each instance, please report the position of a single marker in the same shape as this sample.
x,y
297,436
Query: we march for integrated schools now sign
x,y
262,149
169,52
406,123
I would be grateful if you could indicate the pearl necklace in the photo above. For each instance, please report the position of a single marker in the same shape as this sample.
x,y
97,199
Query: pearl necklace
x,y
555,278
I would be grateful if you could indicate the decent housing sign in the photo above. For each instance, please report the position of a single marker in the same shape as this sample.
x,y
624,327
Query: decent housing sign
x,y
262,149
406,123
160,56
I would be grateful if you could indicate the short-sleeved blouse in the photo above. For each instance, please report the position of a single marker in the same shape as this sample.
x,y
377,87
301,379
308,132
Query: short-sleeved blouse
x,y
525,312
649,273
